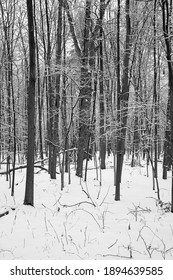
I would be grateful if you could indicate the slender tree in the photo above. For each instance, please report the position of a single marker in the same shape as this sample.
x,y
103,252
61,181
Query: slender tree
x,y
123,100
39,92
155,95
58,83
118,165
166,19
29,191
102,99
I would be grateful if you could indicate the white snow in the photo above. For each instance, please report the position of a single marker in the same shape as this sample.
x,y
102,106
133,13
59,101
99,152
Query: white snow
x,y
70,225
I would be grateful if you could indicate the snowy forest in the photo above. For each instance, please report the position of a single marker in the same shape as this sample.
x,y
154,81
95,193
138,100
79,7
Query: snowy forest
x,y
86,129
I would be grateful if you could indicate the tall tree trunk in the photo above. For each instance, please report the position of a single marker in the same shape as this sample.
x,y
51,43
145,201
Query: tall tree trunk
x,y
155,97
64,96
117,175
50,100
102,103
85,94
29,190
84,117
93,109
167,143
6,26
124,97
39,97
58,81
166,17
14,134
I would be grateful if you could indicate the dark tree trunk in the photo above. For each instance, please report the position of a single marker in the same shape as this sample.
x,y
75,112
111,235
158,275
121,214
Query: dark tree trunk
x,y
8,54
93,119
85,94
123,100
29,191
58,81
155,95
136,137
84,118
166,17
167,144
51,100
117,175
64,96
102,103
8,27
39,97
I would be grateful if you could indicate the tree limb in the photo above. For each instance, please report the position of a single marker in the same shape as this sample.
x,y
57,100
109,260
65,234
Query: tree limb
x,y
4,213
22,167
72,29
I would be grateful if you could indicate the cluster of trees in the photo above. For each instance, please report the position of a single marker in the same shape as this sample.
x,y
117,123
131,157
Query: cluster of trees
x,y
82,77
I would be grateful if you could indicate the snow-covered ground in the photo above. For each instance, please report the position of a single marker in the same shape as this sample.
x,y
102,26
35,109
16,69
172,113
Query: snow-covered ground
x,y
84,221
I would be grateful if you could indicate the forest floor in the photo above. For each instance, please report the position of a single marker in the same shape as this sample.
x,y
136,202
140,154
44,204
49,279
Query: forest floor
x,y
84,221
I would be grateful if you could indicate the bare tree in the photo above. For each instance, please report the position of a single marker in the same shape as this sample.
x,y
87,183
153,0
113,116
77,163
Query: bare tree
x,y
89,38
123,102
29,191
166,19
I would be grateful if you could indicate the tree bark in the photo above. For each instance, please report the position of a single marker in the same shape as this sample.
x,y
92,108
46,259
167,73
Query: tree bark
x,y
39,97
117,160
85,94
155,96
166,16
29,189
123,99
102,103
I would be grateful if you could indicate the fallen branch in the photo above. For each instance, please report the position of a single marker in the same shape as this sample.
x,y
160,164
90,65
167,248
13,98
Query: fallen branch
x,y
43,168
54,231
87,193
113,244
23,167
77,204
137,210
116,256
4,213
105,196
40,161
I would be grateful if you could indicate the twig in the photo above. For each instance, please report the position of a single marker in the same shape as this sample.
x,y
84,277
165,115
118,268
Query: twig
x,y
77,204
149,249
65,230
113,244
52,211
89,214
105,196
112,255
71,240
54,231
45,220
137,210
87,192
57,200
74,254
85,236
